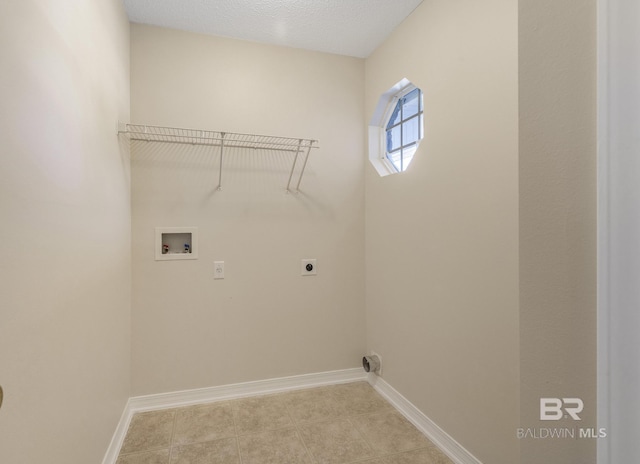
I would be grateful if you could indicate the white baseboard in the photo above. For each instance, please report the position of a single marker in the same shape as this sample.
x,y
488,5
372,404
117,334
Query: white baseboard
x,y
220,393
242,390
454,450
111,456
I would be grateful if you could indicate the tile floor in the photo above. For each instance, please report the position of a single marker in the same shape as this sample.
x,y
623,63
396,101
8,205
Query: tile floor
x,y
337,424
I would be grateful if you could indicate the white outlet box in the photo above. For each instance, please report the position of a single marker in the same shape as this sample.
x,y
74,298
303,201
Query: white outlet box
x,y
309,267
174,243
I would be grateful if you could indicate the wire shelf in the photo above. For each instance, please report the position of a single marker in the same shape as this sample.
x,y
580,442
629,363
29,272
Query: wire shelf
x,y
300,147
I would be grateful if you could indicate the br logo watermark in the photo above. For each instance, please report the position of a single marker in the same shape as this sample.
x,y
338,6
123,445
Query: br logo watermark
x,y
553,409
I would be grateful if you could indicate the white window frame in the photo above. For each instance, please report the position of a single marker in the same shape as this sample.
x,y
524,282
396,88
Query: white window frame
x,y
378,127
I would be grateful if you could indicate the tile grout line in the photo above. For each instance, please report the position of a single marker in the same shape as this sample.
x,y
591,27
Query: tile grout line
x,y
299,434
202,442
388,455
292,424
146,450
296,425
235,428
248,434
306,448
173,434
394,453
133,453
350,417
335,397
364,438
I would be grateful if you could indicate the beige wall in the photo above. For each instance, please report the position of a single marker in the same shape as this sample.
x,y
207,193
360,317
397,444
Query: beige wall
x,y
64,229
557,56
442,237
452,247
263,320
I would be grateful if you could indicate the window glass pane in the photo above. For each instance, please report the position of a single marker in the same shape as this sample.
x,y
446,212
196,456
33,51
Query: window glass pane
x,y
404,130
393,138
396,159
411,104
411,131
396,115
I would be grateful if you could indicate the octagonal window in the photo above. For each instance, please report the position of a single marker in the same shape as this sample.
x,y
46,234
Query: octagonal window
x,y
404,130
396,128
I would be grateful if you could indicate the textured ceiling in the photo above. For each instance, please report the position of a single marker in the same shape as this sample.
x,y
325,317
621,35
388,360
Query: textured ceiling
x,y
345,27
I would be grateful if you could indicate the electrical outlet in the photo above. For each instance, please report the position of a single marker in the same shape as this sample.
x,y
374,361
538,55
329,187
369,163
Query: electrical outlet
x,y
309,267
218,269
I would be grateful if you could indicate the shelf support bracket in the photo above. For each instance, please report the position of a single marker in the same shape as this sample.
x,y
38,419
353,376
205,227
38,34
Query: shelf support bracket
x,y
304,165
293,166
221,153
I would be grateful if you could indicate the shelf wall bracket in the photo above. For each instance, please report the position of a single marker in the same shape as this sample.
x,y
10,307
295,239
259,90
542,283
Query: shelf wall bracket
x,y
304,165
293,166
221,154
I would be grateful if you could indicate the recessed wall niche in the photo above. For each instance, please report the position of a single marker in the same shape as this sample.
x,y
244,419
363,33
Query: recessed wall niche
x,y
173,243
